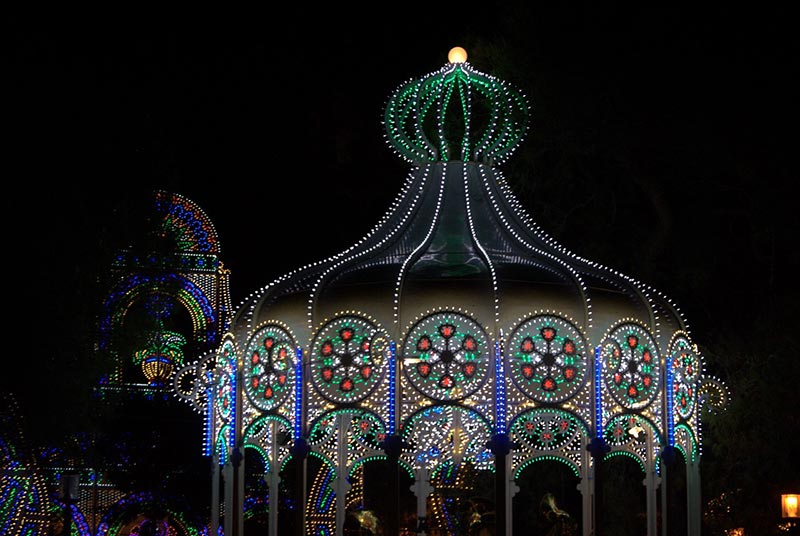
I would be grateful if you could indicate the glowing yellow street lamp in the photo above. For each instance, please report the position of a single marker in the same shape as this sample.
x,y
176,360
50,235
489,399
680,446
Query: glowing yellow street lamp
x,y
457,55
789,506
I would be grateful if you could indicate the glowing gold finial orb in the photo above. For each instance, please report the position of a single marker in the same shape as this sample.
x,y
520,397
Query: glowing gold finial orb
x,y
457,55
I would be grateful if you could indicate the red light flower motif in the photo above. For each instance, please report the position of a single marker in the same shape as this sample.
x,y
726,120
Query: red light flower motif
x,y
254,382
569,347
527,345
281,379
570,373
424,369
327,348
254,359
269,342
327,374
366,372
268,393
617,378
469,370
470,344
548,333
446,382
346,385
548,384
647,357
633,341
424,344
282,353
447,330
647,380
527,371
633,391
346,333
529,426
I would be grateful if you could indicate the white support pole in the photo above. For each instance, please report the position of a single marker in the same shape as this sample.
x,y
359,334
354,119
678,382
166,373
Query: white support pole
x,y
227,475
651,482
586,487
422,488
340,483
664,500
511,490
240,495
214,524
273,480
694,505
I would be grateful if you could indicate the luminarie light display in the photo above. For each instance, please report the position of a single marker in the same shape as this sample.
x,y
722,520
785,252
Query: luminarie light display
x,y
455,336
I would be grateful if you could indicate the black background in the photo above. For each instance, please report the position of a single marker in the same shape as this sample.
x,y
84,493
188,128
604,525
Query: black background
x,y
662,144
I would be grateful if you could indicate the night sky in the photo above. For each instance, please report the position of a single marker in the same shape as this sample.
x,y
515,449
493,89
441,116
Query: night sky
x,y
271,122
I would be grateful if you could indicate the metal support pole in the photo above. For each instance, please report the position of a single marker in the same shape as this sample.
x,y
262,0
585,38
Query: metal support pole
x,y
422,488
500,445
227,477
693,497
214,495
585,486
340,483
273,481
300,451
598,449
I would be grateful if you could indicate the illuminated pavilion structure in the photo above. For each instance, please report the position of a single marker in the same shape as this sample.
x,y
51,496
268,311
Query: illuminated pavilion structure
x,y
456,334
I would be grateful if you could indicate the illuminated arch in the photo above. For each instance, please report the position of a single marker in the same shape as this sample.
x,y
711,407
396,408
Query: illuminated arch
x,y
622,436
258,436
130,290
686,442
133,506
547,457
548,434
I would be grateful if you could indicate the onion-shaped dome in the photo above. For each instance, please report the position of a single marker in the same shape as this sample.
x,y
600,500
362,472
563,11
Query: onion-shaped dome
x,y
456,113
456,236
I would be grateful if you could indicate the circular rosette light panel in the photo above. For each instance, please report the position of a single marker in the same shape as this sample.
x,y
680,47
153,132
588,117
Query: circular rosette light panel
x,y
631,366
269,367
446,356
348,359
685,369
547,358
545,429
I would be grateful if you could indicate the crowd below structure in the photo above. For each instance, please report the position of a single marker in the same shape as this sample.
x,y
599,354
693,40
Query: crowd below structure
x,y
412,382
